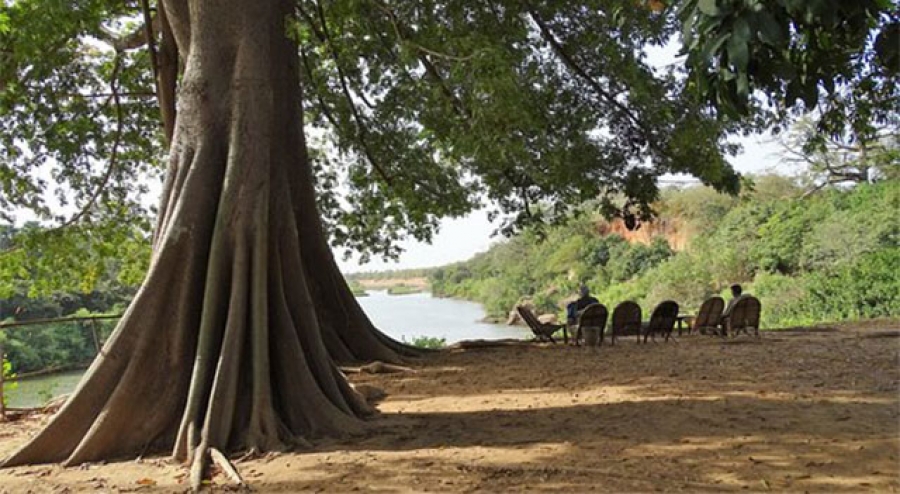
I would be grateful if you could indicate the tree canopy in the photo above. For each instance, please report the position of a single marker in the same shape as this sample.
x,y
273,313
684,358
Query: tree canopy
x,y
838,59
418,111
422,110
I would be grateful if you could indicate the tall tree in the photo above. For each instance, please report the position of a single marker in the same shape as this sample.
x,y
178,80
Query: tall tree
x,y
829,160
230,343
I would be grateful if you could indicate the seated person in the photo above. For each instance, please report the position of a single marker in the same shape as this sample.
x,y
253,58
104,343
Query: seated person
x,y
577,306
736,295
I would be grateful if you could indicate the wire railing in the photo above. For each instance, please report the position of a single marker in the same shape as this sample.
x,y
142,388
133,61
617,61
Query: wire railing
x,y
96,342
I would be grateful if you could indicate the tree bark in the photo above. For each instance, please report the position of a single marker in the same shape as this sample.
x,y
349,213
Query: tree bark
x,y
231,341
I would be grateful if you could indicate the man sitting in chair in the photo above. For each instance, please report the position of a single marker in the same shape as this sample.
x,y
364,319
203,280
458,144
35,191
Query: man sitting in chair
x,y
577,306
736,295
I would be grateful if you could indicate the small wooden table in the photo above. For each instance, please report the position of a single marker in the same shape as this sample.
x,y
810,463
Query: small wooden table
x,y
685,318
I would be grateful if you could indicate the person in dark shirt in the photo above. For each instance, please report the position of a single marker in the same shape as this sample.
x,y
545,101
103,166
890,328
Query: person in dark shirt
x,y
577,306
737,294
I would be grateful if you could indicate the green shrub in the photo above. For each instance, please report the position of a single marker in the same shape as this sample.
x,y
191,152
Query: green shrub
x,y
429,342
865,288
403,290
7,369
683,278
783,299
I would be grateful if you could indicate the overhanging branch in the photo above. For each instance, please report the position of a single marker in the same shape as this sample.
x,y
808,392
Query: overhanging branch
x,y
578,70
113,156
135,39
399,31
362,129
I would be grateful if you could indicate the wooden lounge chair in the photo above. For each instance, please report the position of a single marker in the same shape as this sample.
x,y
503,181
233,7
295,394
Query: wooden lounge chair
x,y
593,316
709,315
626,320
662,320
744,315
542,331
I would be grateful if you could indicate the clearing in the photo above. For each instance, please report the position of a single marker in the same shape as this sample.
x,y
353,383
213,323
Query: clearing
x,y
815,409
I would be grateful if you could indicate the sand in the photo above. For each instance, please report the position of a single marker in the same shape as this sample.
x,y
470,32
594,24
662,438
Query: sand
x,y
810,410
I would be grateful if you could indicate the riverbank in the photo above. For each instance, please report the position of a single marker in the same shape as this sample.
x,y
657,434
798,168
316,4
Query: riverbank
x,y
414,283
799,410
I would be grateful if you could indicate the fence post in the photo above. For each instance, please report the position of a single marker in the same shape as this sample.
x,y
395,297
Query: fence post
x,y
96,338
2,406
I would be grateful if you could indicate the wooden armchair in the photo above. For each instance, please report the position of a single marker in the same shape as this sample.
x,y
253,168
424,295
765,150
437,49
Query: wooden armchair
x,y
626,320
744,316
709,316
662,320
592,317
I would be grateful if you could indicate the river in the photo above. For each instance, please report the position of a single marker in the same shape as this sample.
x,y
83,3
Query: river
x,y
403,317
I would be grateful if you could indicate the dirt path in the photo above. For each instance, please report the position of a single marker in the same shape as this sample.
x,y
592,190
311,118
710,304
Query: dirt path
x,y
802,411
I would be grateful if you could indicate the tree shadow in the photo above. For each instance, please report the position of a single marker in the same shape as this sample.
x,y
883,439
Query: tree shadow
x,y
706,443
770,413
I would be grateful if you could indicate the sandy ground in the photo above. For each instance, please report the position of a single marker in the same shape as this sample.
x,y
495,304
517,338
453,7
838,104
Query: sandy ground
x,y
815,410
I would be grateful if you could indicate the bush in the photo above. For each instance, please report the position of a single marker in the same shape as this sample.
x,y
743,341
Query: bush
x,y
429,342
783,299
7,370
865,288
684,278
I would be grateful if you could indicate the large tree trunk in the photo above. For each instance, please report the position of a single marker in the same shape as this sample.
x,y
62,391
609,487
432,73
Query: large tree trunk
x,y
230,342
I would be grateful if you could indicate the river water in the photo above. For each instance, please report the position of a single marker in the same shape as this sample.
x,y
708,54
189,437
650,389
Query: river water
x,y
403,317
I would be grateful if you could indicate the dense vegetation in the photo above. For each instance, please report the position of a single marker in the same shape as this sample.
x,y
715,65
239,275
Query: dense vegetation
x,y
58,344
830,256
390,274
97,278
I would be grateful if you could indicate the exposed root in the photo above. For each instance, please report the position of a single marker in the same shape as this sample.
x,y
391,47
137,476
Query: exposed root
x,y
377,367
370,393
473,344
226,467
199,467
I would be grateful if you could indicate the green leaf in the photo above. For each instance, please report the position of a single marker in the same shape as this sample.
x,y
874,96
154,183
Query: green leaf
x,y
743,85
712,48
738,52
709,7
887,47
769,31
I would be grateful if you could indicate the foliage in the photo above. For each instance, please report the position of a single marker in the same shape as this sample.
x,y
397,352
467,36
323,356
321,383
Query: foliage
x,y
417,111
403,290
8,375
389,274
77,260
842,58
357,289
430,342
826,257
54,345
49,345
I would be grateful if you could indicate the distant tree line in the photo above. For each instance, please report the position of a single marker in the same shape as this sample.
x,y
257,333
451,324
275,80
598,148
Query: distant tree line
x,y
389,274
830,256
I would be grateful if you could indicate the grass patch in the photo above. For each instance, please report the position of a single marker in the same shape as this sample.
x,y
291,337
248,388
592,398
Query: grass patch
x,y
428,342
